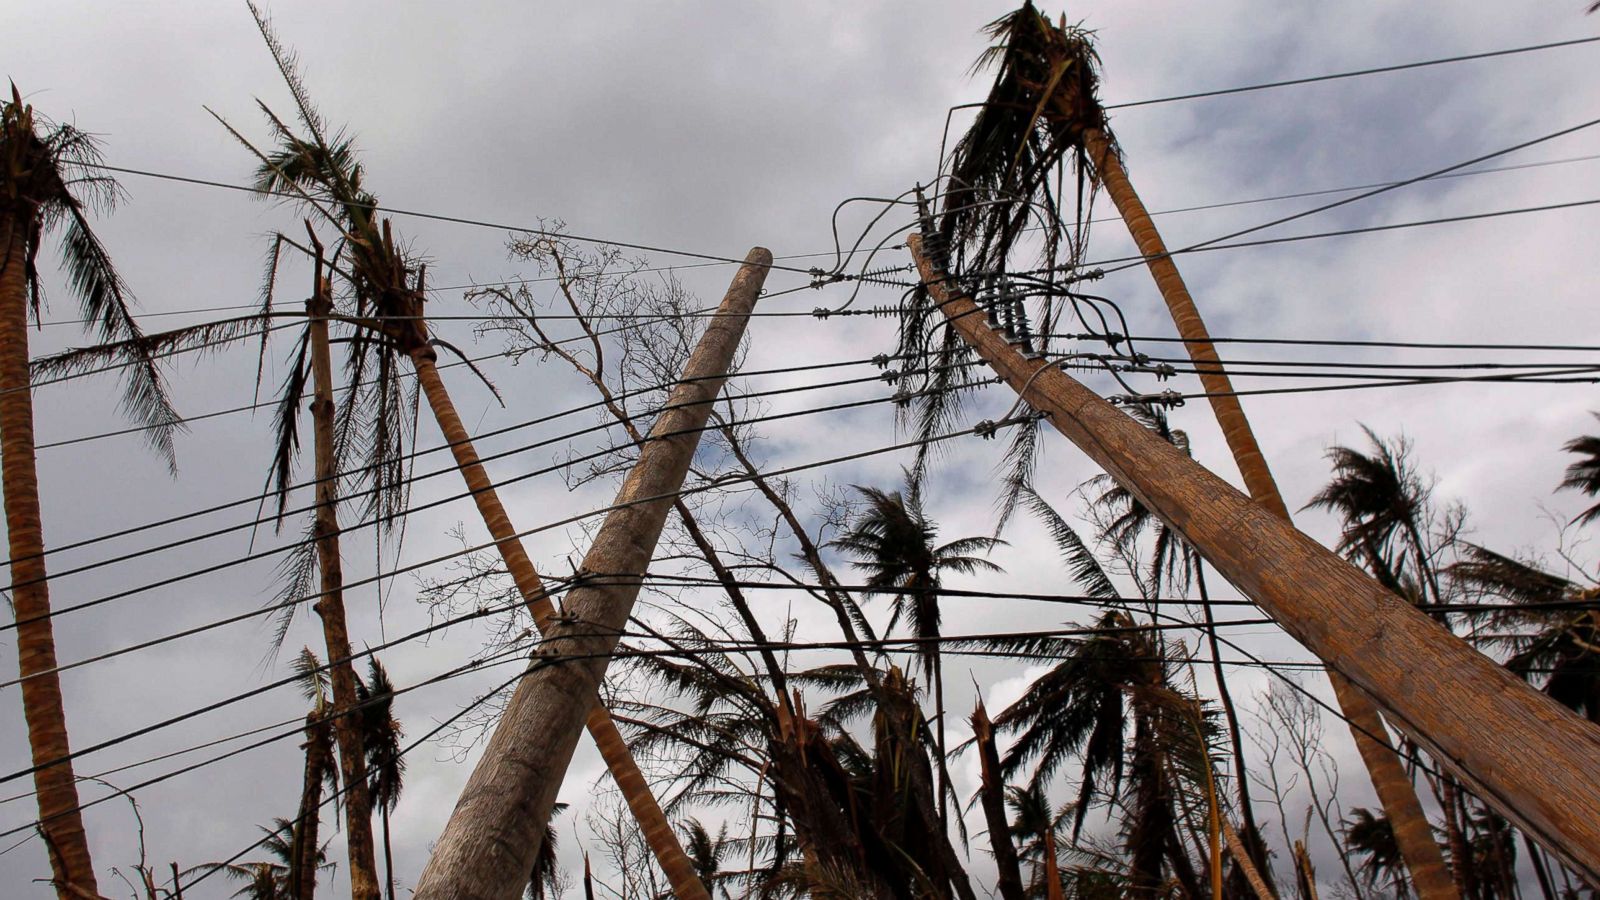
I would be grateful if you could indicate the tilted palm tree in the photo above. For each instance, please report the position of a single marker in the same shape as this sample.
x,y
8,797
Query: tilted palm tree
x,y
894,542
1042,114
318,170
49,182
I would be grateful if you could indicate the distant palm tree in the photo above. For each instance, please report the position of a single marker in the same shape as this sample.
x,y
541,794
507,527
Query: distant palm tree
x,y
386,765
1383,504
1371,838
894,542
48,183
268,879
706,851
1551,645
1034,829
1584,475
546,872
321,771
1111,704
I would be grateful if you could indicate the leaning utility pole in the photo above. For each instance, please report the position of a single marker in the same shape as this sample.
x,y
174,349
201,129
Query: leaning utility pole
x,y
330,602
1396,791
495,832
1530,758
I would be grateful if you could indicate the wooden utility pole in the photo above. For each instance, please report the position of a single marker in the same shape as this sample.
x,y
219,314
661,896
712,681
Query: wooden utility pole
x,y
495,832
1530,758
330,604
1429,876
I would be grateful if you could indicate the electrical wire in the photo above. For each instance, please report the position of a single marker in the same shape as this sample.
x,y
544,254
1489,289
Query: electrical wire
x,y
379,520
1313,79
349,473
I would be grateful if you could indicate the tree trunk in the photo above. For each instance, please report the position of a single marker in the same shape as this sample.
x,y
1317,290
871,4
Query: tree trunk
x,y
304,844
658,833
1395,789
1246,864
330,608
992,794
496,829
1052,866
1528,756
54,783
388,852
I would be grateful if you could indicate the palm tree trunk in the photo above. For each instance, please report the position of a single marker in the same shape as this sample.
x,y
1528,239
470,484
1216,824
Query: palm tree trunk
x,y
330,608
388,850
1052,866
54,784
1394,788
658,833
992,794
304,845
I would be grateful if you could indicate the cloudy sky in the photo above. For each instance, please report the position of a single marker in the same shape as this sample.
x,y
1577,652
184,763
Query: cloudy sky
x,y
711,128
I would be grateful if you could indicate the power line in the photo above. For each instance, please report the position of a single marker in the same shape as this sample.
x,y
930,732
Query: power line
x,y
296,601
1400,67
441,217
1225,204
377,520
517,426
1344,232
1217,242
1546,378
1330,342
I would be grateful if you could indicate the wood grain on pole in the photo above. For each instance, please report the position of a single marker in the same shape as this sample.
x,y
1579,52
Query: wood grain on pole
x,y
657,830
495,832
1530,758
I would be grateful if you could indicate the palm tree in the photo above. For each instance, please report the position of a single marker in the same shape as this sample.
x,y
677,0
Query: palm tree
x,y
385,296
1173,563
386,764
706,851
1550,645
1371,837
1042,113
1584,475
321,771
1383,505
267,879
893,542
48,183
546,873
1034,829
1113,683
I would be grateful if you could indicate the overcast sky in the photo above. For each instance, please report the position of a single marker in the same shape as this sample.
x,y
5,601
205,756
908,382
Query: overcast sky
x,y
711,128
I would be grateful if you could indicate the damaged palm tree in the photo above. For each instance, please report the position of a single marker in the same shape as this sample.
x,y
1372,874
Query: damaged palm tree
x,y
383,300
1041,114
49,180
